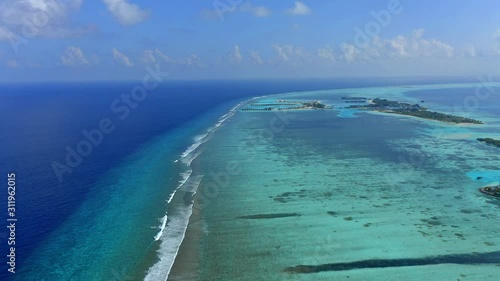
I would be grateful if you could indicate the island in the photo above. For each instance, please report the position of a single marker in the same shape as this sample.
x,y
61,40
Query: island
x,y
490,141
286,105
395,107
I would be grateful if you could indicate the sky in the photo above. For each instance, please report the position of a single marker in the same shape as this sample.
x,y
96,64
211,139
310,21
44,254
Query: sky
x,y
82,40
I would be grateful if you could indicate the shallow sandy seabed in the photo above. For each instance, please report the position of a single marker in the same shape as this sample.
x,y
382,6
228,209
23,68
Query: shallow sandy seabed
x,y
320,190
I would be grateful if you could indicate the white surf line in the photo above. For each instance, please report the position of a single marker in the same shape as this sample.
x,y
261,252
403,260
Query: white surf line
x,y
155,272
162,227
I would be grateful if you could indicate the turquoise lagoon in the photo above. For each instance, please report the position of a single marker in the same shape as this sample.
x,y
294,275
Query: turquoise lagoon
x,y
339,195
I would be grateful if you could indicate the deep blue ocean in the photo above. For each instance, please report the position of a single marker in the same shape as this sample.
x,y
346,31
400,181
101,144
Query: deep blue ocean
x,y
40,123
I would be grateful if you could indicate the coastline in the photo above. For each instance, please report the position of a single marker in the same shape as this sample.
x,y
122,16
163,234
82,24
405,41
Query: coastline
x,y
187,264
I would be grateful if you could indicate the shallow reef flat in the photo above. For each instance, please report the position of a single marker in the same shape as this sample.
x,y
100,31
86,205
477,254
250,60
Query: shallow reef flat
x,y
331,198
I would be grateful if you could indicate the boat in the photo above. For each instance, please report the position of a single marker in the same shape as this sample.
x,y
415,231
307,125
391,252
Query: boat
x,y
491,191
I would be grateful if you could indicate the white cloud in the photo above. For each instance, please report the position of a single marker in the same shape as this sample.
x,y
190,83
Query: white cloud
x,y
120,57
48,5
326,53
74,56
299,9
399,47
255,58
219,12
46,18
5,34
155,56
12,64
17,12
126,13
349,52
235,56
163,56
192,60
288,52
256,11
280,51
148,57
416,46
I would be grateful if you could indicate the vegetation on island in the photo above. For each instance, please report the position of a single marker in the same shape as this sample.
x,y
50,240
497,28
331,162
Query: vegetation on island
x,y
388,103
438,116
415,110
314,104
286,105
490,141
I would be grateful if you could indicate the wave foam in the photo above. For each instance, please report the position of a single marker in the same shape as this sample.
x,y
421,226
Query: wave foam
x,y
162,227
192,185
171,241
172,234
185,177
